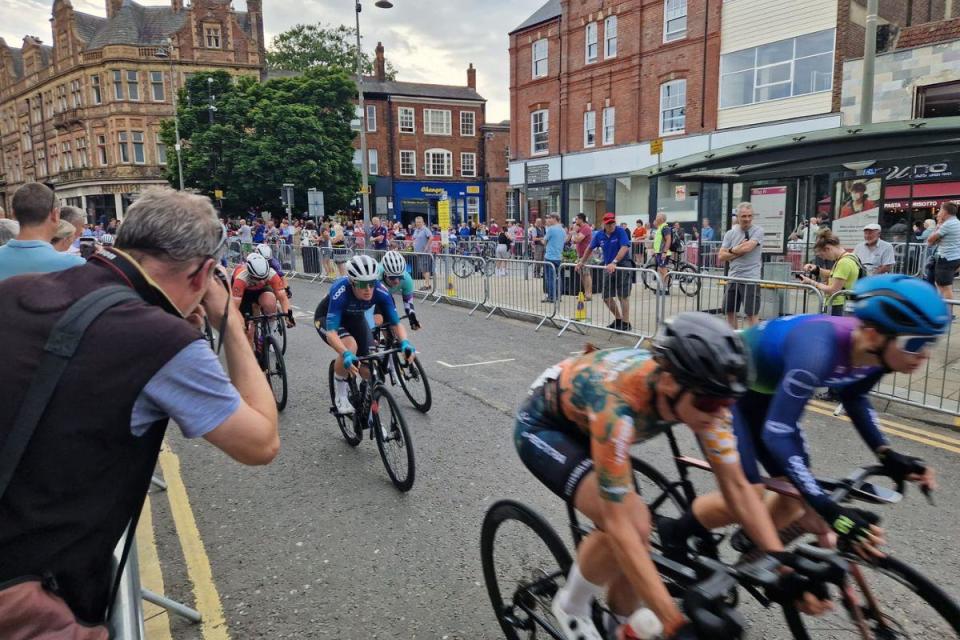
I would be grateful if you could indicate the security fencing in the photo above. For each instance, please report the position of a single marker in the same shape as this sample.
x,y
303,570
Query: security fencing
x,y
594,297
520,288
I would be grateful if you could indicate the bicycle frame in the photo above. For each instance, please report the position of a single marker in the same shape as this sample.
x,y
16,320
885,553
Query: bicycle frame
x,y
374,364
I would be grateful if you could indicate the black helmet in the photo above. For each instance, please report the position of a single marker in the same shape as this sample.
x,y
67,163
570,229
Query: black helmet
x,y
704,354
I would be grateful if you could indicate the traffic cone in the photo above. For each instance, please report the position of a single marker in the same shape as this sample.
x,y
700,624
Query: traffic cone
x,y
581,313
450,290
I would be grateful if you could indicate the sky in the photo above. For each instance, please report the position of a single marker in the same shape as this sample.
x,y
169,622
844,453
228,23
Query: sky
x,y
425,40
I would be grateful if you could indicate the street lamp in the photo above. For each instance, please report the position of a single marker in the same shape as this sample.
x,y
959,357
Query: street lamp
x,y
364,166
168,54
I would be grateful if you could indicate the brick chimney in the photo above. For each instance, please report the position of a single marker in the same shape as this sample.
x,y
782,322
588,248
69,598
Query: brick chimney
x,y
471,77
380,65
113,7
176,5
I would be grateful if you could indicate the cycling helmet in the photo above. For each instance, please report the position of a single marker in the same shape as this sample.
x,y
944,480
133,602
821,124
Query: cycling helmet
x,y
703,354
106,240
363,268
900,305
257,266
265,251
393,263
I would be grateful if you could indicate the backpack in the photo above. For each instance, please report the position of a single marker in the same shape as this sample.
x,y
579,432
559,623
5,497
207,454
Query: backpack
x,y
861,272
676,242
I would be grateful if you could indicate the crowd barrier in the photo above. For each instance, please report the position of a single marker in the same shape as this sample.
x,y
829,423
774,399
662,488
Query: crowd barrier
x,y
520,288
590,294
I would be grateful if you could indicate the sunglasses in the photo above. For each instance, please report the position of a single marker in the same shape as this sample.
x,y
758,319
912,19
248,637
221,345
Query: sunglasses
x,y
394,278
914,344
712,404
213,254
364,284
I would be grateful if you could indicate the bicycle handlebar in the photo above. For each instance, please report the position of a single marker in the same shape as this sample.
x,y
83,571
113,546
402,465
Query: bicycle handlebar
x,y
379,354
855,486
267,316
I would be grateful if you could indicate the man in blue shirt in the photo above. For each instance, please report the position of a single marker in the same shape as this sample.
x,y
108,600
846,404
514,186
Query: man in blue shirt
x,y
36,208
422,236
553,238
615,243
378,235
706,233
947,240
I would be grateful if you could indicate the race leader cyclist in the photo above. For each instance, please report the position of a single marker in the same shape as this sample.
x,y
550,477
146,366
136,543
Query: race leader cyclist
x,y
341,321
267,252
574,433
897,319
397,280
256,283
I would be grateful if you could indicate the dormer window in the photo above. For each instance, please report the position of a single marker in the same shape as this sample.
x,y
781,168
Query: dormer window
x,y
212,34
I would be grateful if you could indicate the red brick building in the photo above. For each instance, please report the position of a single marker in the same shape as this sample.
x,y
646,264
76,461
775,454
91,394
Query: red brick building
x,y
495,154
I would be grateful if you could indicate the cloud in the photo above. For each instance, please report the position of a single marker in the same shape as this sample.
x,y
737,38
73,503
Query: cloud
x,y
425,40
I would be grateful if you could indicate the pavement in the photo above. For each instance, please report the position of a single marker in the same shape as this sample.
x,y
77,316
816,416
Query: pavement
x,y
320,545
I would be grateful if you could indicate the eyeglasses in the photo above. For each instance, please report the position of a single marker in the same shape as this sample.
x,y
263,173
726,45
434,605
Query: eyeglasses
x,y
712,404
364,284
213,254
394,278
914,344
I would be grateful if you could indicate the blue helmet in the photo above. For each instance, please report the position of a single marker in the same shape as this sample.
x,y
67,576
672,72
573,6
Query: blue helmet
x,y
900,305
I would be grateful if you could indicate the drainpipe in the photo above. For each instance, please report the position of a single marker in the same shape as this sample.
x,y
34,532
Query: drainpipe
x,y
869,57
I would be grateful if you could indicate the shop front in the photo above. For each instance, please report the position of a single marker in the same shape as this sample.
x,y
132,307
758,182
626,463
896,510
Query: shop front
x,y
413,198
103,201
914,192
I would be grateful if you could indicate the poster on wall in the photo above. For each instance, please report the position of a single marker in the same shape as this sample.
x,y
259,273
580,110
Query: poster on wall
x,y
856,202
770,214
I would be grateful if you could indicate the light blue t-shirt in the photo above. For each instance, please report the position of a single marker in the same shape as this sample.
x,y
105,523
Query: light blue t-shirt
x,y
949,246
421,239
192,389
553,238
33,256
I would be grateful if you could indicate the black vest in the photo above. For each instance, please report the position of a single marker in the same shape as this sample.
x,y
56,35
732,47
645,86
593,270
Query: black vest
x,y
83,475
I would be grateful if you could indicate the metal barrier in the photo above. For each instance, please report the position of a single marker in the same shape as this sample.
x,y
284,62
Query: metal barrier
x,y
462,278
622,290
522,289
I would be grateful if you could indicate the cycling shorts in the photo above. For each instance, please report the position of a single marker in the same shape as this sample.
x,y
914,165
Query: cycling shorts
x,y
250,298
352,325
552,447
749,418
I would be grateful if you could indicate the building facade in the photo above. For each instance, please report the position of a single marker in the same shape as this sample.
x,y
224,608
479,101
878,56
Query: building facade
x,y
495,155
84,114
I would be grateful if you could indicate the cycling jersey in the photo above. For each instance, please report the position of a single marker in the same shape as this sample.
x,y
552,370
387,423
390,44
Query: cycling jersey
x,y
275,265
405,288
587,411
341,302
243,282
792,357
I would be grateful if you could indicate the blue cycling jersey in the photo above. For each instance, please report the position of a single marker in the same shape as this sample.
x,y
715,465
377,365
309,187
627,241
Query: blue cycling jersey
x,y
792,357
275,264
343,302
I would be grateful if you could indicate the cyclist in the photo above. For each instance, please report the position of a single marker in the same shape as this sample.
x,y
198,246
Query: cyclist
x,y
574,433
267,252
340,320
397,280
256,284
897,319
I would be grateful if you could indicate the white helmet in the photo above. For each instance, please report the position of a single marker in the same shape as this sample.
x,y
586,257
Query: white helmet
x,y
265,251
257,266
363,268
106,240
394,264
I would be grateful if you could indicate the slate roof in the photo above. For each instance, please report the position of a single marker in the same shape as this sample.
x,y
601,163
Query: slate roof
x,y
137,25
17,56
549,11
87,25
420,90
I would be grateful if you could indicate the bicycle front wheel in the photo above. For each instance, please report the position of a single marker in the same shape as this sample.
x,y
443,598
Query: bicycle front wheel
x,y
648,277
393,439
345,422
524,565
884,600
280,333
276,371
463,268
689,281
414,382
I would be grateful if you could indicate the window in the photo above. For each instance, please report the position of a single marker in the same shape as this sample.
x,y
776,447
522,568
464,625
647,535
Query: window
x,y
408,163
118,84
439,162
674,20
405,120
468,123
673,106
357,118
436,122
468,165
95,89
591,42
938,100
66,156
539,132
76,98
540,58
371,117
62,98
138,155
82,152
473,207
161,153
133,85
590,129
27,141
791,67
213,36
373,166
156,84
102,150
610,37
609,124
356,159
41,162
123,148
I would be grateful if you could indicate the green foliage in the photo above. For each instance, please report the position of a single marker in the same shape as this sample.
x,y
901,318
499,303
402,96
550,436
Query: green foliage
x,y
305,46
262,135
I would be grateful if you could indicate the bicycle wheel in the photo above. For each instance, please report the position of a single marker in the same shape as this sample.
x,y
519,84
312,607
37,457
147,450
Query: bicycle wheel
x,y
689,284
650,280
393,439
276,371
524,564
660,495
489,266
886,600
345,422
280,333
463,268
413,380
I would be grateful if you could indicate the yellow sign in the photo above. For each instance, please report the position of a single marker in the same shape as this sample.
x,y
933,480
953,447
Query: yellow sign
x,y
364,190
218,194
437,191
473,188
443,212
656,146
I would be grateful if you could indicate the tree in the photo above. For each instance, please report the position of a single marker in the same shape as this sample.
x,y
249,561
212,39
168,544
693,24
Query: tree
x,y
262,135
305,46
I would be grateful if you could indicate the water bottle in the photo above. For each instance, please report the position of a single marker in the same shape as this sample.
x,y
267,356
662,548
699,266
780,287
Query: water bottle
x,y
643,625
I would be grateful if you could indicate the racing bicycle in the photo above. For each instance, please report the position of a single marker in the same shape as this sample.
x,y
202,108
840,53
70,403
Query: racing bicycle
x,y
687,279
410,375
269,354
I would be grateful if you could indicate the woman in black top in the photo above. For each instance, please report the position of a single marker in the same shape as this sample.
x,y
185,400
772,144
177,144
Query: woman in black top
x,y
503,252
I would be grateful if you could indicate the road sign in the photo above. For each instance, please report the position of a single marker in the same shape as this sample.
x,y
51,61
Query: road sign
x,y
315,203
656,146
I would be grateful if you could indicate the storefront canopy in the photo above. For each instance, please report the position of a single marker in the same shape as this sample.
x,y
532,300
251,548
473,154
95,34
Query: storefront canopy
x,y
817,151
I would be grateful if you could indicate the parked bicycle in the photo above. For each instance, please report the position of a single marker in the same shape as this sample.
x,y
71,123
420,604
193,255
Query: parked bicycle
x,y
376,410
270,355
411,376
466,266
689,284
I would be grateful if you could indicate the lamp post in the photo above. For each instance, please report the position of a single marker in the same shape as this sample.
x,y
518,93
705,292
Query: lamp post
x,y
168,54
364,161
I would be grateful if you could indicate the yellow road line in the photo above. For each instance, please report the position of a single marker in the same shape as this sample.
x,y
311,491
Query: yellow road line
x,y
892,431
157,623
214,625
928,433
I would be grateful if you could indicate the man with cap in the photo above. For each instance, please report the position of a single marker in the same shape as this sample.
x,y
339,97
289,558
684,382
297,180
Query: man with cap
x,y
875,255
615,243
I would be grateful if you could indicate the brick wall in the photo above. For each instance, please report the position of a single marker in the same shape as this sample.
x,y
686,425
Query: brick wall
x,y
496,140
929,33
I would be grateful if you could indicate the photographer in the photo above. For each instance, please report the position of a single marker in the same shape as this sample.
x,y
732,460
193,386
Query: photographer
x,y
87,464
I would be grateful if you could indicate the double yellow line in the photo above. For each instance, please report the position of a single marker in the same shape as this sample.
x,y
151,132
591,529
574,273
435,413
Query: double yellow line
x,y
925,436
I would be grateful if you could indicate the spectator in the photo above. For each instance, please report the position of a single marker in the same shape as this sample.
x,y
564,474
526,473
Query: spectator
x,y
554,237
874,254
246,238
494,228
80,481
464,232
286,232
615,243
662,238
536,234
421,245
259,232
929,226
8,230
338,245
63,237
359,235
37,211
917,229
581,238
706,233
74,215
946,237
639,237
326,251
378,234
899,230
742,248
845,272
504,241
